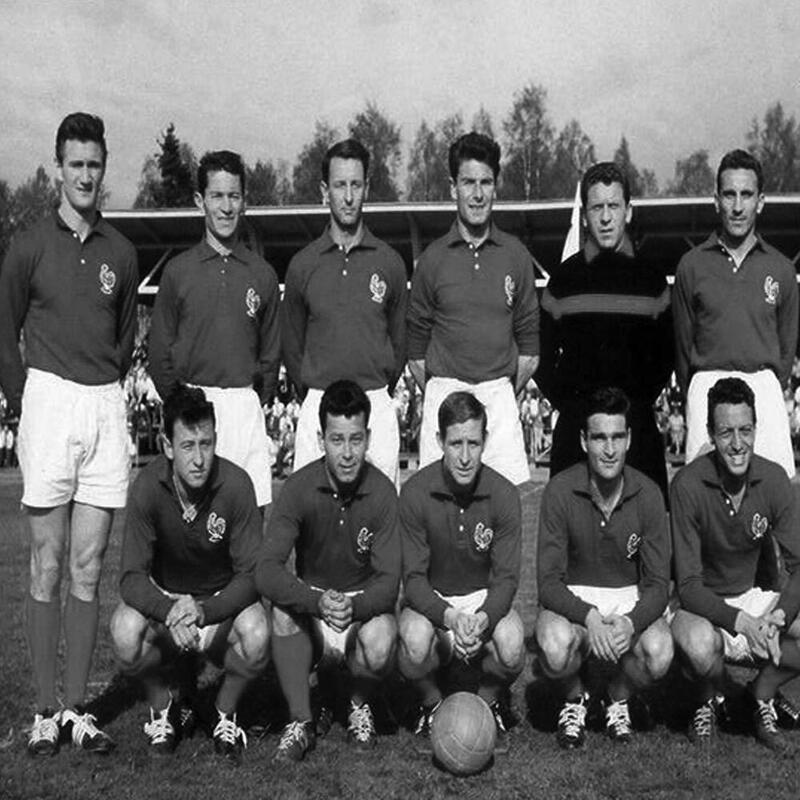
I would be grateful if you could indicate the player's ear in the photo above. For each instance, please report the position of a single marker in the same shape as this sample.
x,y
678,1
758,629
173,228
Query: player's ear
x,y
629,213
198,201
627,440
453,190
323,190
439,441
166,446
321,441
584,447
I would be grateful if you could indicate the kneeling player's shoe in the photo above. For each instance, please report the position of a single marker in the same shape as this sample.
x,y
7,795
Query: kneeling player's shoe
x,y
229,739
323,721
297,739
572,723
788,712
503,720
85,733
422,728
361,726
703,725
618,721
160,732
45,732
765,718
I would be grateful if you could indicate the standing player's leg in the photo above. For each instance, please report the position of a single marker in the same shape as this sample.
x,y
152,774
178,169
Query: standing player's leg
x,y
48,531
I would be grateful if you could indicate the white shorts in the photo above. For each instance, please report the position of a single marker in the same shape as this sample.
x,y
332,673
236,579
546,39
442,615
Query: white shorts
x,y
505,445
384,437
73,443
469,604
242,435
773,438
206,634
607,600
755,602
334,645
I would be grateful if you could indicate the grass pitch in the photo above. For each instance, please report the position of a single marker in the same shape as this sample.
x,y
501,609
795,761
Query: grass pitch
x,y
659,763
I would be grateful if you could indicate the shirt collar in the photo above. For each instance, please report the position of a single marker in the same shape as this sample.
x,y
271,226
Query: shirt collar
x,y
207,252
323,483
100,226
368,240
711,474
454,237
631,484
165,474
714,242
438,486
591,251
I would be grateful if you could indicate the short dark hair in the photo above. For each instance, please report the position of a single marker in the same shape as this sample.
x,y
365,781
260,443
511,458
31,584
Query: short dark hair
x,y
729,391
610,400
219,161
460,407
606,172
189,405
348,149
474,146
740,159
82,127
343,399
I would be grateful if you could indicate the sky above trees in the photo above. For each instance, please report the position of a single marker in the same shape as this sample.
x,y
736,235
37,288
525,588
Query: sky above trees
x,y
259,77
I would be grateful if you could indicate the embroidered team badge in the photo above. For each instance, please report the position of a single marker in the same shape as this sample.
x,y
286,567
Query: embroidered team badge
x,y
253,301
758,527
364,541
483,537
377,288
108,280
772,289
215,527
511,289
632,545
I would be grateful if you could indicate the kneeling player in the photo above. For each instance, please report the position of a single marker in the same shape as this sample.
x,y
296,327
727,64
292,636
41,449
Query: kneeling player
x,y
339,515
191,541
726,506
460,532
603,570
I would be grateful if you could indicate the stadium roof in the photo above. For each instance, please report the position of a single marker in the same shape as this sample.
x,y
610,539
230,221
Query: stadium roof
x,y
663,229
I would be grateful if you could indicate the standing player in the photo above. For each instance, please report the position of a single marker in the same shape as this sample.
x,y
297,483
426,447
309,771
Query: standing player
x,y
603,572
192,536
606,322
215,322
725,506
460,531
338,514
473,317
70,283
343,312
736,306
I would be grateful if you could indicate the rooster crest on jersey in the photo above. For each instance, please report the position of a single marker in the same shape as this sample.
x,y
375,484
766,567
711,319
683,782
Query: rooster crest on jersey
x,y
483,537
108,280
511,289
759,525
632,545
771,290
377,288
364,541
253,301
215,527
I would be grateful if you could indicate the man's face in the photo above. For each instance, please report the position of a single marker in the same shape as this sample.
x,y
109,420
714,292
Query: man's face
x,y
473,190
733,436
191,452
606,441
606,215
345,191
462,447
345,442
738,203
223,204
81,174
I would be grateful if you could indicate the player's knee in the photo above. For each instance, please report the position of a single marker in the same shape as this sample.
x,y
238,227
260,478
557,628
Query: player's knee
x,y
45,579
557,642
416,638
657,650
127,635
84,574
509,641
283,623
377,639
252,631
699,643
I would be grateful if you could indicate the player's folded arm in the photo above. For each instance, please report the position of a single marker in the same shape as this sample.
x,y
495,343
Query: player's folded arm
x,y
269,352
293,318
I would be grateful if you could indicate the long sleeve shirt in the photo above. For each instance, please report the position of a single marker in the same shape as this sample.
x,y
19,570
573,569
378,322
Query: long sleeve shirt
x,y
605,322
76,302
579,546
349,543
455,545
730,318
717,548
343,314
215,322
473,310
211,558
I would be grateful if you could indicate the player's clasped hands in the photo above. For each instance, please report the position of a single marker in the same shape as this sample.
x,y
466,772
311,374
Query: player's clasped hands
x,y
606,640
467,631
336,609
763,633
183,621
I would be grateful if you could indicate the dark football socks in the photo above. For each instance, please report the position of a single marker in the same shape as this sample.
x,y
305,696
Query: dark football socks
x,y
43,626
238,673
771,677
292,656
80,633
